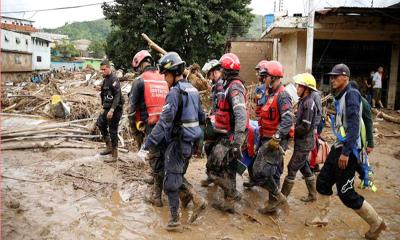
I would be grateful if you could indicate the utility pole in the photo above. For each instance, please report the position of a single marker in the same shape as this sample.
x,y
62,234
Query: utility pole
x,y
310,36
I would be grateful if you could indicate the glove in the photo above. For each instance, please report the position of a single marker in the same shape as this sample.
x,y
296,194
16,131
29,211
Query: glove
x,y
273,143
236,151
143,153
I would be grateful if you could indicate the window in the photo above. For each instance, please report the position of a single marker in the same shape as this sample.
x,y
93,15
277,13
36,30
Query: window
x,y
17,40
6,38
18,59
38,58
26,41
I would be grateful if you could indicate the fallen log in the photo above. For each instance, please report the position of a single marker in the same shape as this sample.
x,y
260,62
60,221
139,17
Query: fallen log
x,y
62,124
20,115
49,136
30,133
44,145
385,116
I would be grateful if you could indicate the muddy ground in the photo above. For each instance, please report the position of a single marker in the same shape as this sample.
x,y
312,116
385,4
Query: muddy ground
x,y
70,194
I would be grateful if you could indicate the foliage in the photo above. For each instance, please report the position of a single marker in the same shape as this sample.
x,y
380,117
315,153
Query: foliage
x,y
65,49
96,30
196,29
96,49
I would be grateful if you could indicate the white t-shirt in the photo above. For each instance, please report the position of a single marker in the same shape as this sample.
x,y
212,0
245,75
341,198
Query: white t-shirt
x,y
377,80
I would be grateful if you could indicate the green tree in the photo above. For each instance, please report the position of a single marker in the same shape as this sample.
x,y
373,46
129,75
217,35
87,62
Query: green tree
x,y
196,29
97,49
66,49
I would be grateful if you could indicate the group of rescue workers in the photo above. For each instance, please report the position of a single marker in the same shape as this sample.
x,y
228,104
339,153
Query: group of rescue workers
x,y
167,110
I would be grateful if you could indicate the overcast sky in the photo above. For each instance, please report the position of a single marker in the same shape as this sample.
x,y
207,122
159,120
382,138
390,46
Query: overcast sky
x,y
52,19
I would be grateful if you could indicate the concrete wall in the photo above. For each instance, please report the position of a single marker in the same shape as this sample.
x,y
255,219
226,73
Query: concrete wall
x,y
15,77
16,62
68,65
292,54
250,53
40,48
14,41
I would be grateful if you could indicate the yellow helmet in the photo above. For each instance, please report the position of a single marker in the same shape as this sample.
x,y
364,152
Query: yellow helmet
x,y
307,80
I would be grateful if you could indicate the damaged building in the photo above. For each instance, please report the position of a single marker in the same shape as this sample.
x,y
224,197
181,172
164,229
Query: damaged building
x,y
362,38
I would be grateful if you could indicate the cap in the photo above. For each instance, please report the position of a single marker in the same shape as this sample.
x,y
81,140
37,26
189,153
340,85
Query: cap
x,y
340,69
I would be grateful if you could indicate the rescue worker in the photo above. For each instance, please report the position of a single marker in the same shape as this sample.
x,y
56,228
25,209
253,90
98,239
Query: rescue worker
x,y
303,137
112,102
231,121
146,99
342,160
212,69
275,122
259,100
179,127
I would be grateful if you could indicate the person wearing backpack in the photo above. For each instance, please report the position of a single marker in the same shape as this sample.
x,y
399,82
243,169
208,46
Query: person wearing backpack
x,y
179,129
303,137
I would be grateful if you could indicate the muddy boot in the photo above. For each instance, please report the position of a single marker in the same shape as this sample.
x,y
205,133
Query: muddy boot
x,y
185,197
206,182
108,149
155,197
114,156
280,200
199,203
312,190
249,184
174,224
321,217
376,223
287,187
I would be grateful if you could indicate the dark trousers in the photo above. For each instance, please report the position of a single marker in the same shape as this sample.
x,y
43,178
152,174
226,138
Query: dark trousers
x,y
222,168
343,178
110,128
177,156
268,168
299,161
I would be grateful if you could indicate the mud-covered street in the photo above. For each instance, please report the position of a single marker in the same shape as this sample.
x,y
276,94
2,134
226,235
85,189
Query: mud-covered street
x,y
67,193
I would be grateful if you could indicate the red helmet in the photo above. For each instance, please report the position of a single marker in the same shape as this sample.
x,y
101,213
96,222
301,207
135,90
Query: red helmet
x,y
139,57
273,68
261,65
230,61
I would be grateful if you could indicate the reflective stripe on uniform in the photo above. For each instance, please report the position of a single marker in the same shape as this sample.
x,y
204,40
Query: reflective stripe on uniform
x,y
239,105
191,124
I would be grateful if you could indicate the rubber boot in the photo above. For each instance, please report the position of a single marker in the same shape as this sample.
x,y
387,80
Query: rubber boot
x,y
321,217
376,223
272,206
312,190
249,184
108,149
199,204
174,224
185,197
155,197
114,155
287,187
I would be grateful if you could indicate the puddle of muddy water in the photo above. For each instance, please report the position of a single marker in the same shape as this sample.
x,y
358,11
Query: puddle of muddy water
x,y
50,209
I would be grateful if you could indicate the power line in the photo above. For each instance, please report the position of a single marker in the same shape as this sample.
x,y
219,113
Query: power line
x,y
59,8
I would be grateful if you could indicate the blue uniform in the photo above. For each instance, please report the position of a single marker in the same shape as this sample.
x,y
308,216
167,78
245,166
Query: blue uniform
x,y
179,127
330,173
